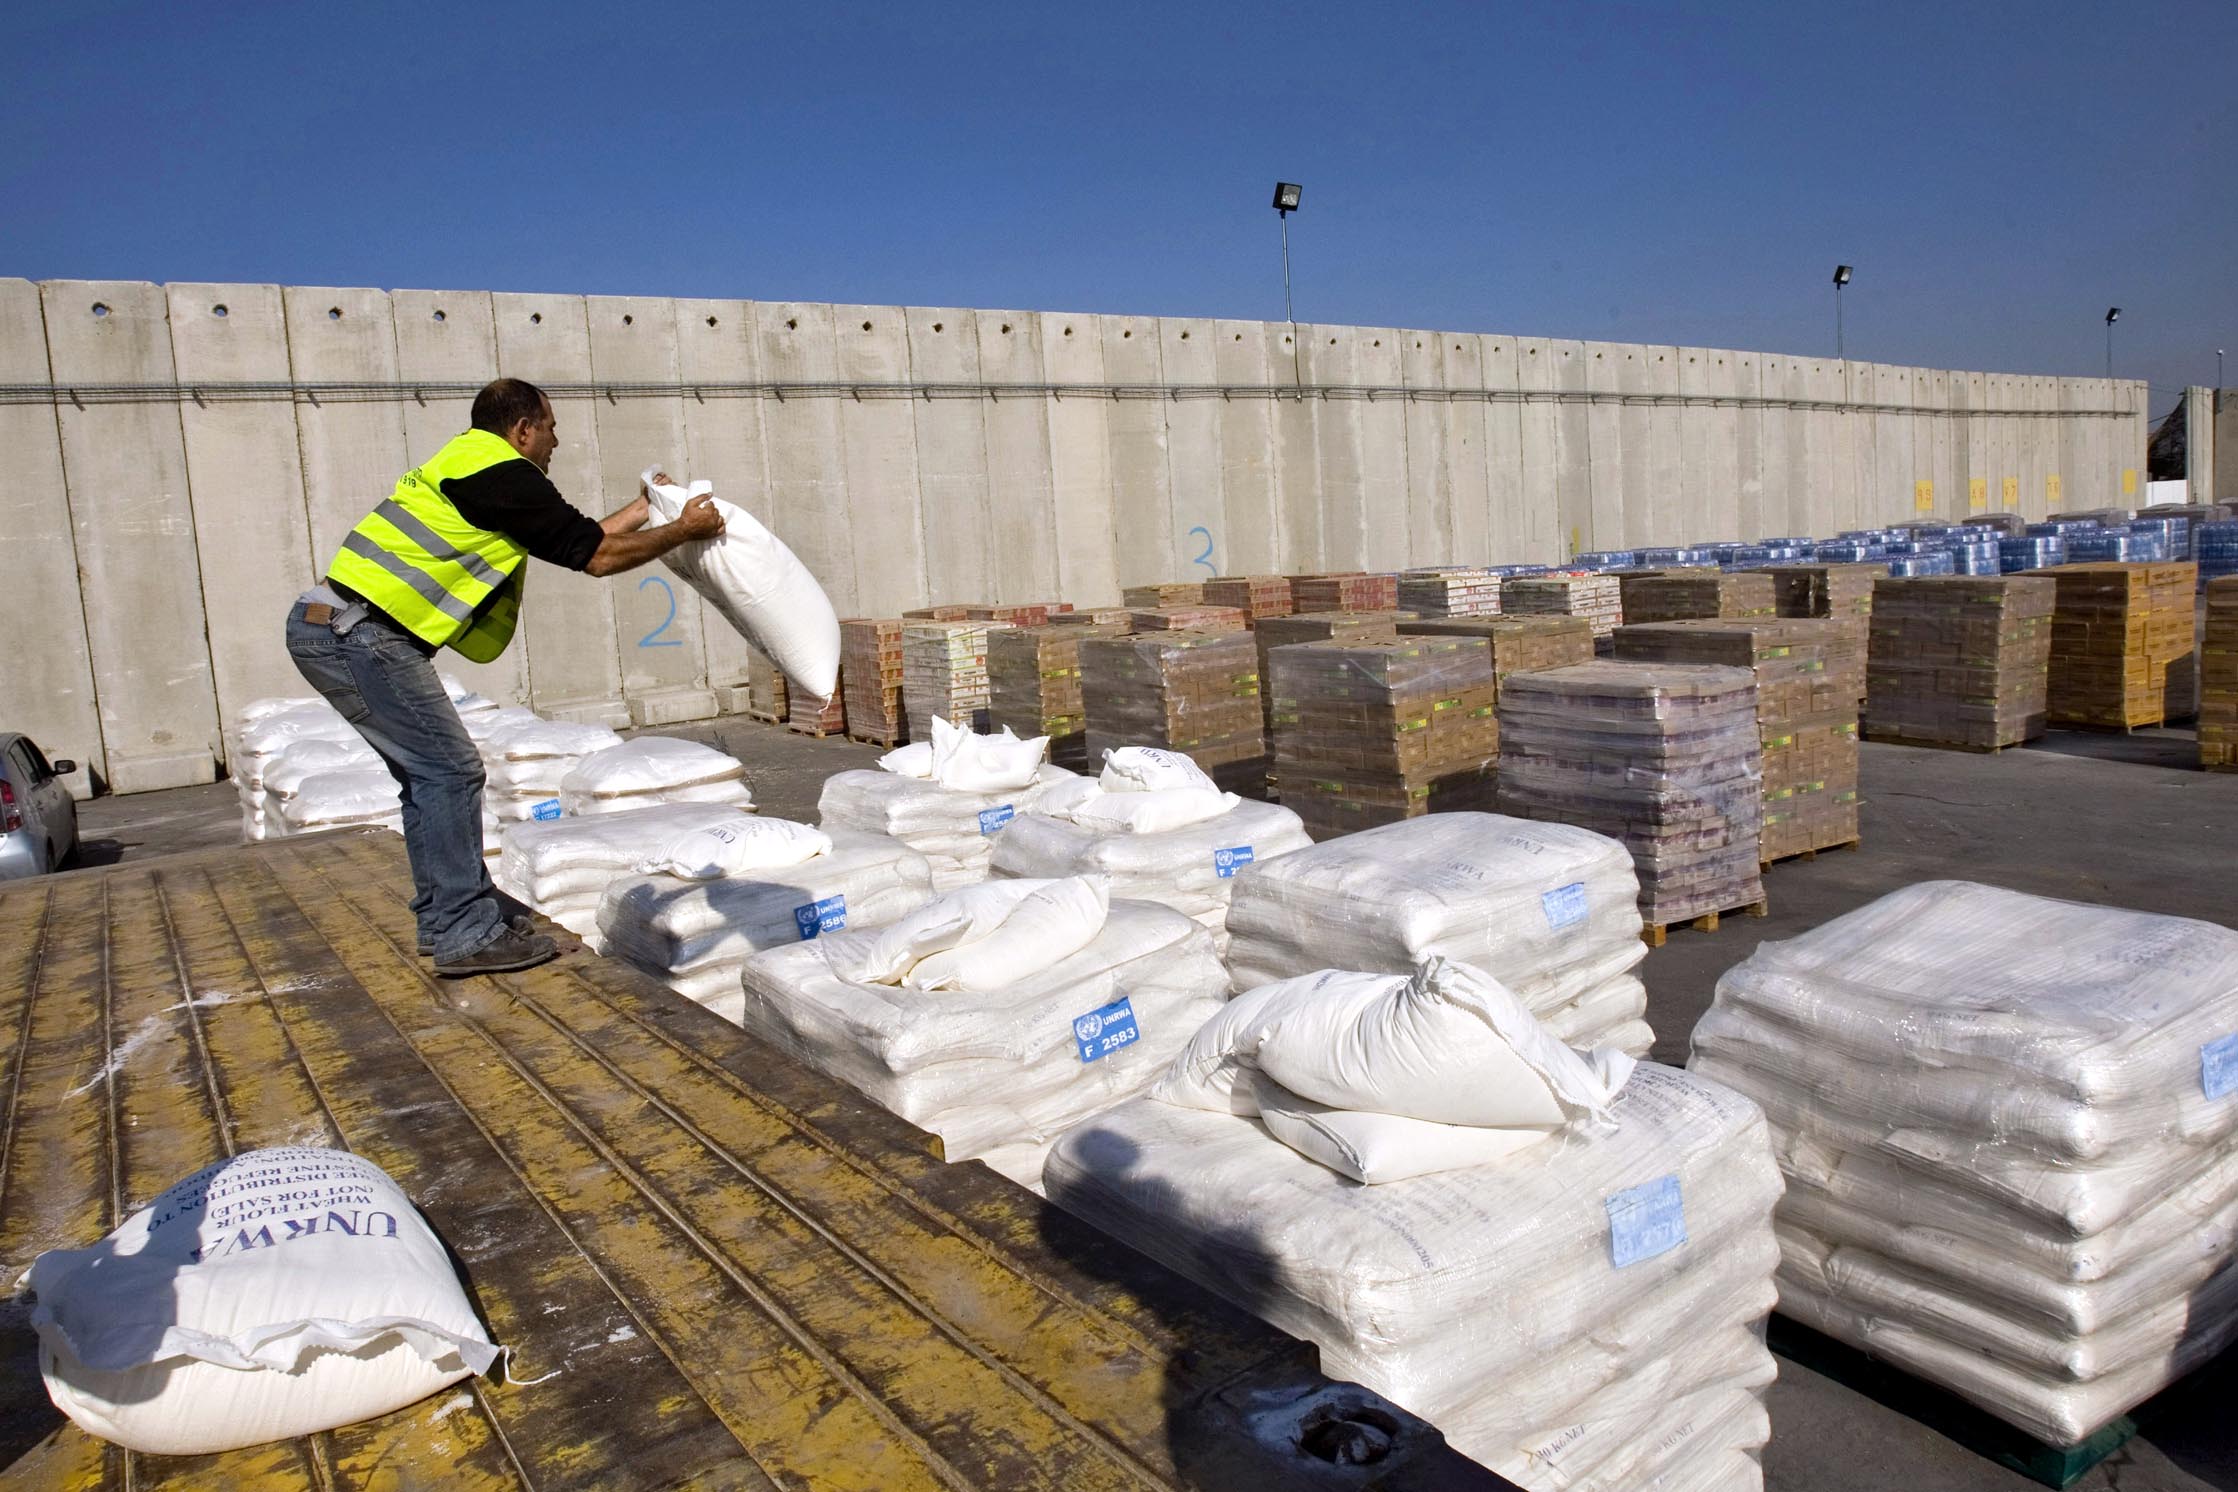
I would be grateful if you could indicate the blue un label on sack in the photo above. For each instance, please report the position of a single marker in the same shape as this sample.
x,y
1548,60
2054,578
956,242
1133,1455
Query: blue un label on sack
x,y
1225,863
545,811
1564,905
2218,1066
1105,1030
828,915
1646,1220
991,819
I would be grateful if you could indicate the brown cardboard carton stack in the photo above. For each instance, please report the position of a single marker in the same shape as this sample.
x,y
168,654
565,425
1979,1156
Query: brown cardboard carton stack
x,y
1959,660
765,689
938,614
814,717
1355,591
1033,678
1318,626
1843,592
944,673
1806,716
1454,591
1597,598
1193,692
1187,619
1094,616
1679,595
1662,756
2122,650
2218,679
1256,596
1518,644
1371,733
870,679
1033,615
1166,593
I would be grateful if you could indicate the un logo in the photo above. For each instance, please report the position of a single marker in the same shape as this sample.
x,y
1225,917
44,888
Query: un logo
x,y
1089,1026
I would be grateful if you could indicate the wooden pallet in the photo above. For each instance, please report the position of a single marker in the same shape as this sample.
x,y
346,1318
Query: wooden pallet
x,y
1806,855
766,717
886,738
1655,933
815,729
1944,1412
1890,740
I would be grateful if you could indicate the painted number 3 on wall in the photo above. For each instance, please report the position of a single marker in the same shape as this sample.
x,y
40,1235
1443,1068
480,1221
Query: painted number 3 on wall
x,y
1205,558
653,639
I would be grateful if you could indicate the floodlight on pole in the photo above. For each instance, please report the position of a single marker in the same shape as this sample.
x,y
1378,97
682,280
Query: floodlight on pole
x,y
1841,278
2218,368
1286,194
2113,314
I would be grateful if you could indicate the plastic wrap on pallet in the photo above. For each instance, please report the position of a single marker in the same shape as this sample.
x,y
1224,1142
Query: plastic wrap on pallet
x,y
2116,546
2005,525
1959,660
2175,535
1192,692
2032,552
2123,644
1549,1311
2007,1126
1846,552
1972,553
1603,559
2216,548
2064,527
1937,563
2218,677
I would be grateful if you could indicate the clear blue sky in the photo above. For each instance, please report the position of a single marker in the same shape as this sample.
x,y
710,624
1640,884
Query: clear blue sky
x,y
1689,173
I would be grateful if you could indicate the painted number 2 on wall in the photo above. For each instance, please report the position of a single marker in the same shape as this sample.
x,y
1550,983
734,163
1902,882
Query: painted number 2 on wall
x,y
653,639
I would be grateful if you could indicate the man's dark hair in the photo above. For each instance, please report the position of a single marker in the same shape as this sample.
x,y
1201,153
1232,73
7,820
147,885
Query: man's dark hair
x,y
505,403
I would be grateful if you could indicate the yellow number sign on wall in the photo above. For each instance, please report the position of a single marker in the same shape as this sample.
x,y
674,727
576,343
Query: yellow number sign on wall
x,y
1923,496
2051,490
1977,493
2129,481
2012,492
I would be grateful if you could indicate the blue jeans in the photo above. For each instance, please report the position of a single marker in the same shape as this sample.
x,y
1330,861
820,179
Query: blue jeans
x,y
386,687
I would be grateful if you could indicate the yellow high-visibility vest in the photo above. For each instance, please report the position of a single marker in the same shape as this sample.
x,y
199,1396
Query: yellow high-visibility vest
x,y
418,559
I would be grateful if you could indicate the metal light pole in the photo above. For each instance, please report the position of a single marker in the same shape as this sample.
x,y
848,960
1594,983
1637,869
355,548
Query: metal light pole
x,y
2218,367
1841,278
1286,194
2113,314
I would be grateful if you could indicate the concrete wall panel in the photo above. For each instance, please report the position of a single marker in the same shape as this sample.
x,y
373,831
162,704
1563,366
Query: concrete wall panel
x,y
1710,440
807,465
1331,360
1517,530
1386,510
879,436
1297,455
1776,436
353,448
1574,452
1740,377
951,433
1253,542
1623,512
245,476
1429,464
1142,511
659,624
1539,449
48,688
723,443
134,527
1022,520
1465,530
567,620
1080,461
1666,451
1202,531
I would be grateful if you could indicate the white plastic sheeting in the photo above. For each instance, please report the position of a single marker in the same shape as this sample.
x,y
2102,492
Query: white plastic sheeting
x,y
997,1073
2007,1125
954,829
1577,1315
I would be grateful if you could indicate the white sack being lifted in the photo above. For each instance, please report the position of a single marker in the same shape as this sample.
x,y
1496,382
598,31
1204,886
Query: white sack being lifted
x,y
2010,1131
997,1015
694,934
1549,910
758,585
1576,1315
279,1293
649,770
562,866
1157,827
953,827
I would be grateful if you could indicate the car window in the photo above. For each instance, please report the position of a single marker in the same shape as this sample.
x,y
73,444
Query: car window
x,y
19,771
36,760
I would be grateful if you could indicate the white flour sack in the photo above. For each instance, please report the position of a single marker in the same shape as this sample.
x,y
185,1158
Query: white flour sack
x,y
760,587
279,1293
649,770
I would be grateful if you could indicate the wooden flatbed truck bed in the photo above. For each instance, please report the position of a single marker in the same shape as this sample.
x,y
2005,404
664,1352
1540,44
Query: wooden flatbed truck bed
x,y
715,1268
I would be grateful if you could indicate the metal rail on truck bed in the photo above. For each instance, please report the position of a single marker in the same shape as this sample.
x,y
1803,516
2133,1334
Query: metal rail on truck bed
x,y
714,1267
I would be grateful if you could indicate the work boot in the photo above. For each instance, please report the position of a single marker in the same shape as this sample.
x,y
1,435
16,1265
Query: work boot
x,y
523,924
509,951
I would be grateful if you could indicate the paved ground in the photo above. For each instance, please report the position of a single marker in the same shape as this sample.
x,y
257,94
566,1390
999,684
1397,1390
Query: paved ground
x,y
2121,820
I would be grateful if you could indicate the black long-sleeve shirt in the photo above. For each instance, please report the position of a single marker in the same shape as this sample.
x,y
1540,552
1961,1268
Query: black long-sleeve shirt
x,y
515,499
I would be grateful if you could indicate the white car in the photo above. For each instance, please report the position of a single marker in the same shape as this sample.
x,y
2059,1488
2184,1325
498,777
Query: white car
x,y
38,820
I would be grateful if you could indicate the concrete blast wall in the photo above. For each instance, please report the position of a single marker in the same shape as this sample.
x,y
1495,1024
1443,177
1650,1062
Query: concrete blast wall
x,y
183,459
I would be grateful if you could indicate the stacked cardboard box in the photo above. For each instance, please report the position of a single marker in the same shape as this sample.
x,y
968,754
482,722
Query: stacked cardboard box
x,y
1193,692
1460,591
1188,618
870,673
1597,598
1842,592
1354,591
1169,593
1678,595
1035,615
938,614
1371,733
1518,644
2122,648
944,673
1959,660
1094,616
1806,716
1033,676
1255,596
766,689
813,717
1664,757
2218,678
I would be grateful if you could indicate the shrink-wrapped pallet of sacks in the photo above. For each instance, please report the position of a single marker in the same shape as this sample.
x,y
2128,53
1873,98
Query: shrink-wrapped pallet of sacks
x,y
998,1015
2009,1126
699,906
650,770
345,798
282,775
1560,1259
1550,910
257,746
561,867
525,761
948,797
1154,823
